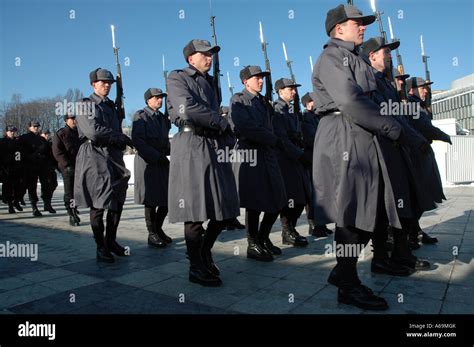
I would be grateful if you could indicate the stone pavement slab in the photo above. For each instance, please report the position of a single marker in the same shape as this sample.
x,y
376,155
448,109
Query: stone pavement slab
x,y
67,279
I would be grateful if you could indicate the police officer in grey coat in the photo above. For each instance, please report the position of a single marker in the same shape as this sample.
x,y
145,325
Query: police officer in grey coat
x,y
309,126
150,137
293,161
417,92
349,173
260,183
202,185
101,178
398,158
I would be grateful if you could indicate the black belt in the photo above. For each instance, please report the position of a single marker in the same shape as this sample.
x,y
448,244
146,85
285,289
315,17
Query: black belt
x,y
200,131
93,143
186,129
331,113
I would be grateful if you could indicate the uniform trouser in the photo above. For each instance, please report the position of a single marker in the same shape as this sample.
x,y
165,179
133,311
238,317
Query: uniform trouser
x,y
310,206
11,189
31,181
353,240
97,225
290,215
68,178
155,217
251,222
49,182
199,240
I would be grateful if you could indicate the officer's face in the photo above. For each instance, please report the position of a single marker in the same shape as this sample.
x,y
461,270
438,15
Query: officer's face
x,y
254,84
422,92
287,93
310,105
400,83
201,61
353,30
10,134
34,129
381,59
45,136
71,122
155,102
102,88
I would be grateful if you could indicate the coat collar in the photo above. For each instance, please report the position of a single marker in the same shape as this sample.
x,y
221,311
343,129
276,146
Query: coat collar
x,y
249,95
349,45
97,99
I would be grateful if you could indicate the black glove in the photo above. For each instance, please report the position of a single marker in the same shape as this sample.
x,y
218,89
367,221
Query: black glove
x,y
447,139
128,141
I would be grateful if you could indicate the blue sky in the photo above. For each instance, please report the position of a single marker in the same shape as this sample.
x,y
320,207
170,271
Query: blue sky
x,y
58,52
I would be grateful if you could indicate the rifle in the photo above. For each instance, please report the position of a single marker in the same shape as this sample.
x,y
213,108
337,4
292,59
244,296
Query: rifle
x,y
378,16
401,70
297,137
231,89
424,58
165,76
216,81
296,101
119,86
268,79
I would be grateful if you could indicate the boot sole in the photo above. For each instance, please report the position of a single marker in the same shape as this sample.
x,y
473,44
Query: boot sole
x,y
380,271
108,261
267,260
205,284
300,245
364,307
156,246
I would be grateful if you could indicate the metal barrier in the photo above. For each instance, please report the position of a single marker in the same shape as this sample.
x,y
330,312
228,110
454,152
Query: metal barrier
x,y
460,160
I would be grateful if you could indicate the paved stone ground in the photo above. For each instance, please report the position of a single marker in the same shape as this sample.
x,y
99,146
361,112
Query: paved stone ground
x,y
66,278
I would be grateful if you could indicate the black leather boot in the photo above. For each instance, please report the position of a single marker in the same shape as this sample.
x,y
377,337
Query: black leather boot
x,y
11,209
48,207
291,237
198,272
234,224
209,237
427,239
75,214
362,297
72,220
36,212
388,267
111,235
402,254
257,252
17,205
264,234
163,236
154,240
103,255
319,231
